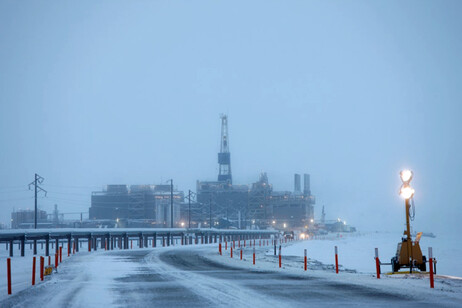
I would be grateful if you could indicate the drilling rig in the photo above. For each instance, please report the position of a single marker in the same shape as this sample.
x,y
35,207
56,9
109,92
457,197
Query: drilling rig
x,y
224,157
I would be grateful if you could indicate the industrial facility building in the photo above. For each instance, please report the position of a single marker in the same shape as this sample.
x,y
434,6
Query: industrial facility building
x,y
149,203
218,204
257,206
24,219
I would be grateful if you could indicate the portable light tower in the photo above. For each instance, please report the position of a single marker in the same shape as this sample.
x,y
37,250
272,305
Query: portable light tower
x,y
408,253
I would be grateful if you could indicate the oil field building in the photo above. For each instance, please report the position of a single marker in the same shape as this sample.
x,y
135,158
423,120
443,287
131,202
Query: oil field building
x,y
150,203
254,206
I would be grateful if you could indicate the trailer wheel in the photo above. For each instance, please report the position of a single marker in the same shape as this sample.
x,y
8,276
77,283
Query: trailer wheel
x,y
394,264
423,266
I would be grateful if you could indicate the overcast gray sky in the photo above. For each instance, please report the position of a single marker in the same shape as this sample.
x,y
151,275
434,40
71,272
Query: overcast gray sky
x,y
101,92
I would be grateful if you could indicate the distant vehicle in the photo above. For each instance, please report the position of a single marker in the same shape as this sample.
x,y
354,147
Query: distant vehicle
x,y
288,234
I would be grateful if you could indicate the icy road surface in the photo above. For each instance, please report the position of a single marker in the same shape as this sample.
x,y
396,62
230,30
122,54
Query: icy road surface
x,y
199,277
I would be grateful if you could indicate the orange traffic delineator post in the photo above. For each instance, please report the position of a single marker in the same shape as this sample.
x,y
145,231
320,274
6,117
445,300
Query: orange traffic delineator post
x,y
33,271
305,259
280,260
430,264
336,260
42,263
8,274
377,262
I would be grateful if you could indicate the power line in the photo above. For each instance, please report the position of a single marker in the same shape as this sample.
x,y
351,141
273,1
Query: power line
x,y
37,180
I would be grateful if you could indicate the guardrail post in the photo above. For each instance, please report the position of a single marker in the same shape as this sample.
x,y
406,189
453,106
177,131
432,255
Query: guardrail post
x,y
377,262
57,245
11,249
154,240
23,246
35,247
336,260
430,264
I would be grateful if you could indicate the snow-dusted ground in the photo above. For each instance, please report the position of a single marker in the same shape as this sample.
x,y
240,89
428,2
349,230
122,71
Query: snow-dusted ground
x,y
447,291
182,276
356,251
21,267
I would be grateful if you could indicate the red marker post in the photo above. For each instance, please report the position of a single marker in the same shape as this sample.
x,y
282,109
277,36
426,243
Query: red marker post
x,y
254,256
336,260
231,251
33,271
430,264
219,248
8,274
68,249
377,262
60,254
56,260
226,245
42,263
280,260
241,253
305,259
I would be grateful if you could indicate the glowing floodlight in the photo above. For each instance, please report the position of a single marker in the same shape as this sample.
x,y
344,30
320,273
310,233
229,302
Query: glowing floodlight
x,y
406,176
406,191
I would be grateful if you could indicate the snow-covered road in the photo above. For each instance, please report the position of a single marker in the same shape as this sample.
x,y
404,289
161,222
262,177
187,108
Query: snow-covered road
x,y
195,276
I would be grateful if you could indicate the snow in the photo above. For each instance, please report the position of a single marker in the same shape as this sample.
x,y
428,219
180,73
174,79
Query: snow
x,y
352,249
356,251
96,278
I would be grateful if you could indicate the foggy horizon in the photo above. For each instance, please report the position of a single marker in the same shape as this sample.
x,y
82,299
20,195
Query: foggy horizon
x,y
350,93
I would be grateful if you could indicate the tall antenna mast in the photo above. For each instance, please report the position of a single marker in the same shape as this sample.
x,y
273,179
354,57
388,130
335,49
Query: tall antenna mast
x,y
224,157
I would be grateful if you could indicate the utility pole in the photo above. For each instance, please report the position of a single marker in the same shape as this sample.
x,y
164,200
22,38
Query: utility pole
x,y
210,212
171,203
190,195
37,180
189,209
